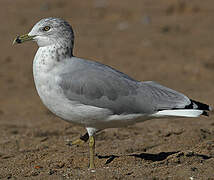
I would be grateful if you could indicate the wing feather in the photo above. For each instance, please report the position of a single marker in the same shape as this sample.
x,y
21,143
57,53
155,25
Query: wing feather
x,y
95,84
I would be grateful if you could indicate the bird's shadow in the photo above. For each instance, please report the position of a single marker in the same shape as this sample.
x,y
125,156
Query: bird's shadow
x,y
146,156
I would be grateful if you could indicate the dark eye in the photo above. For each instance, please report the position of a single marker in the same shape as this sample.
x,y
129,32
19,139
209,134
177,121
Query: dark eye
x,y
46,28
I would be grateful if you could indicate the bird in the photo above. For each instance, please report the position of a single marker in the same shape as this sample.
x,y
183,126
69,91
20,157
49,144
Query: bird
x,y
94,95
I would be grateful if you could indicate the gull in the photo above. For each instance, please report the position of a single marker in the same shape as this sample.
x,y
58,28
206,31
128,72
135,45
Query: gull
x,y
92,94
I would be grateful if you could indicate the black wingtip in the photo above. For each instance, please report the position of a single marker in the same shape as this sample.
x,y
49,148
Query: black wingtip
x,y
205,113
199,105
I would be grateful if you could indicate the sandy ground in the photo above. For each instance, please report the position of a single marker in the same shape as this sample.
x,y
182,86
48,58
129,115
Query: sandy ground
x,y
169,41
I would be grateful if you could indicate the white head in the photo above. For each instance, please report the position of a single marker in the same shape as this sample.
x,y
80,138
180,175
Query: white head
x,y
50,31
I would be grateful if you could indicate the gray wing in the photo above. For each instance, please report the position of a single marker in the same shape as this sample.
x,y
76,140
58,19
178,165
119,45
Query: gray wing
x,y
98,85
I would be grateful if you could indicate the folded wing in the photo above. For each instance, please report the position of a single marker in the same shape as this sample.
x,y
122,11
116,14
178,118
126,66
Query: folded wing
x,y
95,84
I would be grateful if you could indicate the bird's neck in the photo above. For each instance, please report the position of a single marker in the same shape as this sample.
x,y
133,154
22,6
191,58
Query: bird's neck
x,y
60,51
48,57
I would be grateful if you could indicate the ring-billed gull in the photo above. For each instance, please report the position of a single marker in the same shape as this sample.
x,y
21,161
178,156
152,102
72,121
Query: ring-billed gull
x,y
92,94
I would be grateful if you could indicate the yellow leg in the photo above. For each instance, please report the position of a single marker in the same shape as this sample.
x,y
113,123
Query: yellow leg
x,y
91,152
80,141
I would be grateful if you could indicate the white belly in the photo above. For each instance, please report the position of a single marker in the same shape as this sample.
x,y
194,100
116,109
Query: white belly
x,y
52,96
75,112
47,79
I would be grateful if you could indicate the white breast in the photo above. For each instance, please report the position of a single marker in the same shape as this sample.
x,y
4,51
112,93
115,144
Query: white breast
x,y
46,76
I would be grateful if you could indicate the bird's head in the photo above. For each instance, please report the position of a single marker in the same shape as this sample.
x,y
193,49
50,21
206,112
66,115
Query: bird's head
x,y
49,31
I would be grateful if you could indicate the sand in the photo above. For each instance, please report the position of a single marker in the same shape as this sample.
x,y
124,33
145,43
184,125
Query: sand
x,y
170,42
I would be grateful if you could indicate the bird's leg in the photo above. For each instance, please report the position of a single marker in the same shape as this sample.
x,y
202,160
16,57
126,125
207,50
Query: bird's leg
x,y
91,152
80,141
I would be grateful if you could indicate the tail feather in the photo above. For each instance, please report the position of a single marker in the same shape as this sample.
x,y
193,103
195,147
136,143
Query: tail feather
x,y
194,109
178,113
200,106
205,113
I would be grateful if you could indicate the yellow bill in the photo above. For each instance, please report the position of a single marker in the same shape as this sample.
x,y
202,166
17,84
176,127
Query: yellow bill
x,y
23,38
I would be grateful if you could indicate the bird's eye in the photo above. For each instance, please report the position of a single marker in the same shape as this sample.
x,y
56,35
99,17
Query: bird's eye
x,y
46,28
